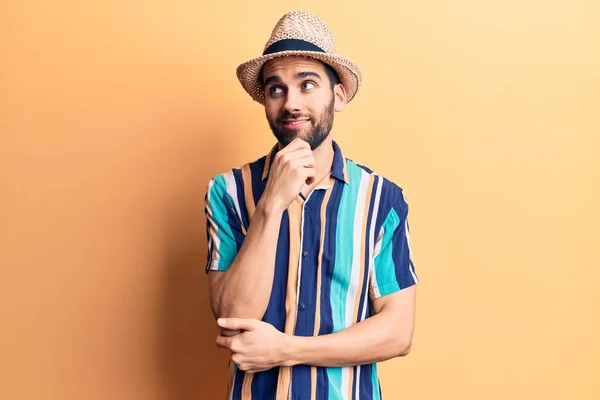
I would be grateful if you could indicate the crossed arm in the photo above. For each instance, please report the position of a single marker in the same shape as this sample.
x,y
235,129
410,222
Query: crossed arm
x,y
385,335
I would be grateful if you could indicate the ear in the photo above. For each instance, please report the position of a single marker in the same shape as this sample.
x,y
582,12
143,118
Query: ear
x,y
339,92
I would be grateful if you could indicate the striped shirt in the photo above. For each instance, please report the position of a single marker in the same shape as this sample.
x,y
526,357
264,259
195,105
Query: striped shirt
x,y
339,248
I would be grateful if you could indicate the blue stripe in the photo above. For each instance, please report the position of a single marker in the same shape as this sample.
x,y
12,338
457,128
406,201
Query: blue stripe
x,y
258,185
400,250
239,381
305,321
322,384
307,298
239,183
275,313
366,381
264,385
329,256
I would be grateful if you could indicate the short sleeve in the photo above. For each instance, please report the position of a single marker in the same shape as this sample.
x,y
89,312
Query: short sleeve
x,y
224,230
393,268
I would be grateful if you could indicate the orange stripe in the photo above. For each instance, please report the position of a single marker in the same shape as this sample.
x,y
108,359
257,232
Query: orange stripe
x,y
350,380
268,162
362,247
231,380
247,386
248,195
295,221
313,370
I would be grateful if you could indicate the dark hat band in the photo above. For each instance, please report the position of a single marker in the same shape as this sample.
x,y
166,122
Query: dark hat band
x,y
292,45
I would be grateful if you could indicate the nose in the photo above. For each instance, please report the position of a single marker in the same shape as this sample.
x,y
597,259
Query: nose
x,y
292,101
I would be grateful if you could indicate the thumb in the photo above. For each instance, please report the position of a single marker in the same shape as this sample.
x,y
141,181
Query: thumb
x,y
245,324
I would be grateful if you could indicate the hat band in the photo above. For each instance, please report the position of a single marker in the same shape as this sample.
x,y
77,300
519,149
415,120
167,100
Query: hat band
x,y
292,45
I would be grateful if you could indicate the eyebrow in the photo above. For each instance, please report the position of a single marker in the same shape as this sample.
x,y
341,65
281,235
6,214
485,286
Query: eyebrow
x,y
272,79
275,79
306,74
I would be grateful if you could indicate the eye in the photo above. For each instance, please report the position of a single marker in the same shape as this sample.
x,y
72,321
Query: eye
x,y
274,90
308,85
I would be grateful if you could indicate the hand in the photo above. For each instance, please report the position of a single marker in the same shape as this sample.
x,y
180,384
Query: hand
x,y
292,168
258,348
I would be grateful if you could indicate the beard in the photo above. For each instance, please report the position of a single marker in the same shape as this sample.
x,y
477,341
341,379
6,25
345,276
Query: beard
x,y
321,127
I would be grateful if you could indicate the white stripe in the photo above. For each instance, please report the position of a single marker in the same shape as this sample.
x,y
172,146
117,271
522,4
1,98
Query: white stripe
x,y
374,251
345,380
214,237
232,190
357,380
410,264
373,274
357,245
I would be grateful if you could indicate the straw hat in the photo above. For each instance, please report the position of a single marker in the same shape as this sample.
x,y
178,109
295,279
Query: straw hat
x,y
299,33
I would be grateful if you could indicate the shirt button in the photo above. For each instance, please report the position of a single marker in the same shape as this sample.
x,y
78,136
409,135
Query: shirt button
x,y
301,306
305,254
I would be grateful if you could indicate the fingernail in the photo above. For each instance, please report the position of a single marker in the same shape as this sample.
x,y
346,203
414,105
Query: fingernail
x,y
222,321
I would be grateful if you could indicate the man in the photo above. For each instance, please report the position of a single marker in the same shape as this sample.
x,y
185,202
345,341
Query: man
x,y
309,261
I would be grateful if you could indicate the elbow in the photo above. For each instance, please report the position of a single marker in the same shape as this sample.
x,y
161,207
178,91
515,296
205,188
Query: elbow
x,y
401,346
237,310
403,349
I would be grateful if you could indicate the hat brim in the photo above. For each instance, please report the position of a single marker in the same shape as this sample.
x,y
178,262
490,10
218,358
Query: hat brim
x,y
348,71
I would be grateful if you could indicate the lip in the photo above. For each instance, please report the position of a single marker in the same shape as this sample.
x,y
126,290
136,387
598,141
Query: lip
x,y
294,123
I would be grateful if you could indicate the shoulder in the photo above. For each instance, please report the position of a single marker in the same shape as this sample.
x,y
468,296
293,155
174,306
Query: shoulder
x,y
230,182
387,193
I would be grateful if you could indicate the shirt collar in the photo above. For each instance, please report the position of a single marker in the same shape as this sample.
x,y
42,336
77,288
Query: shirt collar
x,y
339,167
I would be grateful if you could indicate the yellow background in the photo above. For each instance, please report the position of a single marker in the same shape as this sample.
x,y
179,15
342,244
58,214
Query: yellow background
x,y
114,114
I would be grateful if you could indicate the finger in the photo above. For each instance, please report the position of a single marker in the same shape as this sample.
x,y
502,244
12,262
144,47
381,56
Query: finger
x,y
293,155
295,144
229,332
223,342
256,371
307,161
245,324
310,173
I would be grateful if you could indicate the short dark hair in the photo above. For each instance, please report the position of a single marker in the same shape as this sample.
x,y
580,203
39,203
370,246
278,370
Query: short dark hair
x,y
333,76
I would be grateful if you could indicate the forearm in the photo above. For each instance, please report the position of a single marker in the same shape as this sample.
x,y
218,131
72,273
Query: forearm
x,y
244,290
372,340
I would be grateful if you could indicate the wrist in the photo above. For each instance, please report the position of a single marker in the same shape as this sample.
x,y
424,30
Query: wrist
x,y
289,351
269,206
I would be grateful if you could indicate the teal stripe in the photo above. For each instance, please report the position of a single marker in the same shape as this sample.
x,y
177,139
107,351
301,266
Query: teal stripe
x,y
227,249
385,270
375,382
335,383
343,266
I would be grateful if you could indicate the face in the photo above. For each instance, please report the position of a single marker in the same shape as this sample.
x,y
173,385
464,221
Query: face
x,y
299,100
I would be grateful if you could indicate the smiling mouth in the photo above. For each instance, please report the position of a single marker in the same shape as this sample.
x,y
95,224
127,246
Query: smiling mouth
x,y
294,123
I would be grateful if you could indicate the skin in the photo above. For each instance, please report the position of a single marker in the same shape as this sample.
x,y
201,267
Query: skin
x,y
299,106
